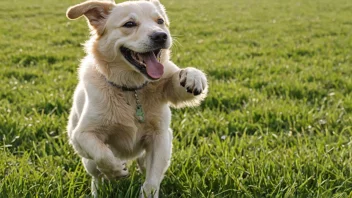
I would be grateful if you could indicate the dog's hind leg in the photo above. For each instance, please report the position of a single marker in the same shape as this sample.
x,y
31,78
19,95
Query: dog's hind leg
x,y
91,168
157,160
141,163
96,183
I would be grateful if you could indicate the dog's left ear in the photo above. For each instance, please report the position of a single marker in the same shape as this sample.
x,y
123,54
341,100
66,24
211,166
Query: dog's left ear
x,y
96,13
162,9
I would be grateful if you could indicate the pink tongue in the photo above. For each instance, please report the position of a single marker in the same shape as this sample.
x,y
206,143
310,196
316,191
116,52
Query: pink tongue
x,y
154,68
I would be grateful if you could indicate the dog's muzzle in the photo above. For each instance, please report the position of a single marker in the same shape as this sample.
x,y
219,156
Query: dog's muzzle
x,y
159,38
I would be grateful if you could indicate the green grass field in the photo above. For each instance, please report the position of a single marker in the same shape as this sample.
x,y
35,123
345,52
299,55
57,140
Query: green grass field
x,y
277,121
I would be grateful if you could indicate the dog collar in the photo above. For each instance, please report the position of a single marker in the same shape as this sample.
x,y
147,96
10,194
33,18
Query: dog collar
x,y
124,88
139,110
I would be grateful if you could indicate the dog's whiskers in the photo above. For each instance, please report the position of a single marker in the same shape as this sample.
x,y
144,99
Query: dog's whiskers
x,y
176,44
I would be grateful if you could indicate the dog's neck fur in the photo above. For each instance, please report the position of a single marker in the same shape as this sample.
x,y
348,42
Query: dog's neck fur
x,y
122,77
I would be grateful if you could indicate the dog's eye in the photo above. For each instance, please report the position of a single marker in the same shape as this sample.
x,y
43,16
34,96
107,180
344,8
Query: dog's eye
x,y
160,21
130,24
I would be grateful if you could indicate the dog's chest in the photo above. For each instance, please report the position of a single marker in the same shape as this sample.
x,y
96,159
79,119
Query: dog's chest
x,y
143,107
130,135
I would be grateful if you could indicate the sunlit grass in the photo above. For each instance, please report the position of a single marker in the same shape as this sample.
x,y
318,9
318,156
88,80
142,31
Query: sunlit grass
x,y
277,121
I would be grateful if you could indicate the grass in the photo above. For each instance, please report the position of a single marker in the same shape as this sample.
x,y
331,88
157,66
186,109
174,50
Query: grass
x,y
277,121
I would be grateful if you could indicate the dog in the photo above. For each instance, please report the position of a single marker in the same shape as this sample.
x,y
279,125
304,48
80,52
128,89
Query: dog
x,y
127,83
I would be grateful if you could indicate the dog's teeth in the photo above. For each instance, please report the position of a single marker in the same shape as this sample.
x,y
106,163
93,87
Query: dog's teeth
x,y
133,55
142,63
137,57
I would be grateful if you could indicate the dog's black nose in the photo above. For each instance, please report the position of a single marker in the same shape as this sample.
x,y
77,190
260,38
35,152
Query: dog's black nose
x,y
159,37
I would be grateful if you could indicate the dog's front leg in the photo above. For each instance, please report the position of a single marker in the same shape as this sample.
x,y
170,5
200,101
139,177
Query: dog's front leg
x,y
185,87
88,145
157,160
193,80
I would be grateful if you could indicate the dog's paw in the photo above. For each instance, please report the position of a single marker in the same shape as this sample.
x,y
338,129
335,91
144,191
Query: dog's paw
x,y
115,173
193,80
149,191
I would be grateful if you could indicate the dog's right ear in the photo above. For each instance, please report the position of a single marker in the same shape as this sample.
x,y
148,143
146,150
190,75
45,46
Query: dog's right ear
x,y
96,13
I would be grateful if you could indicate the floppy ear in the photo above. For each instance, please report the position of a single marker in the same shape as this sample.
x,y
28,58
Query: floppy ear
x,y
96,13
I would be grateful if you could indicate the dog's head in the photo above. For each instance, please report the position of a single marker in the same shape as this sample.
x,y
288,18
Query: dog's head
x,y
133,31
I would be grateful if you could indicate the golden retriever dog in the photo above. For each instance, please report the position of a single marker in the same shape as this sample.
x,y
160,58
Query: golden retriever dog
x,y
127,83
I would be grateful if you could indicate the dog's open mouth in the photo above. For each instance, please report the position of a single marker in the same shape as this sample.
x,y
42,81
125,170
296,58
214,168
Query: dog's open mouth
x,y
147,63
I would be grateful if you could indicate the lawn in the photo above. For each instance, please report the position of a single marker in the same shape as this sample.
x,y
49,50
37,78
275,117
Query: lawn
x,y
277,121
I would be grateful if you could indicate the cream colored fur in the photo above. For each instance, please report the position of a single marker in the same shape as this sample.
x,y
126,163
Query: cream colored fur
x,y
102,126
